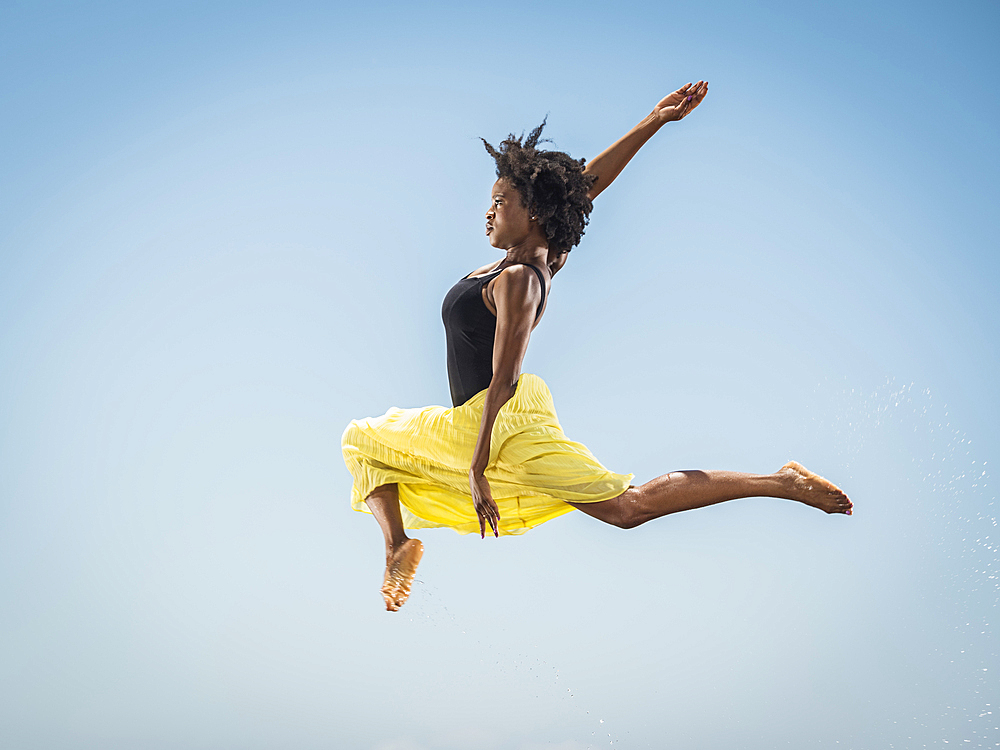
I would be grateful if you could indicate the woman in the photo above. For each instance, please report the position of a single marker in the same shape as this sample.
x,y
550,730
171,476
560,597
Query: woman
x,y
499,457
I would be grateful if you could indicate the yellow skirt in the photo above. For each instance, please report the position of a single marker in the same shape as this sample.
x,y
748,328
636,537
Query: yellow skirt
x,y
533,471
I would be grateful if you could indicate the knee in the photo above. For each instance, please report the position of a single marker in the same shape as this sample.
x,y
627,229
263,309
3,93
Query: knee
x,y
630,511
630,521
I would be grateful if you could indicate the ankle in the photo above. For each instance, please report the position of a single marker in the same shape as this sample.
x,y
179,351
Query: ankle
x,y
782,485
392,546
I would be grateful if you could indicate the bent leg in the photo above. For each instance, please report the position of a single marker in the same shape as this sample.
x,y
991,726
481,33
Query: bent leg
x,y
383,502
402,554
686,490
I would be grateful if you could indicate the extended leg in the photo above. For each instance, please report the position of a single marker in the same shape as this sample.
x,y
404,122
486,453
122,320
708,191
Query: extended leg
x,y
402,554
686,490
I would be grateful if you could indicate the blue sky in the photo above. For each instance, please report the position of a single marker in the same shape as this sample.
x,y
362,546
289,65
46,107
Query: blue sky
x,y
226,230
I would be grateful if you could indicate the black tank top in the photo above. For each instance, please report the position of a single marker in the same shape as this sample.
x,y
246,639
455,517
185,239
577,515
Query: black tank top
x,y
470,329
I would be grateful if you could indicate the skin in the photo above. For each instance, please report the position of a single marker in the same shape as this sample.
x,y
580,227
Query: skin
x,y
513,296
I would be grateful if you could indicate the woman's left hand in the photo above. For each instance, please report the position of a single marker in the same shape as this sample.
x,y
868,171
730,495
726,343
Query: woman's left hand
x,y
681,103
482,498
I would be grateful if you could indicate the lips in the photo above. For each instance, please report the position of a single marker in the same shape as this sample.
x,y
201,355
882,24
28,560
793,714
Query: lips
x,y
489,228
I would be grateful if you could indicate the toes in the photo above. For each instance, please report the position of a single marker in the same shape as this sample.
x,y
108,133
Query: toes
x,y
390,591
394,598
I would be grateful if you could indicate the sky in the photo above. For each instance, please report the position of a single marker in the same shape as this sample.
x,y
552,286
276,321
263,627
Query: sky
x,y
226,230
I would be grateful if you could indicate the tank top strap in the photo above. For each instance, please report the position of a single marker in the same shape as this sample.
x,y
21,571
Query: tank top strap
x,y
488,277
541,280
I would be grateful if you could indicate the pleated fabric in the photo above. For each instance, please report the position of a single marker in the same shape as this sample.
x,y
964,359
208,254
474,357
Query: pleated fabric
x,y
533,470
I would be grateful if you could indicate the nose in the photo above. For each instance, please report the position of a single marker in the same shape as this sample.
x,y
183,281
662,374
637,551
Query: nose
x,y
491,212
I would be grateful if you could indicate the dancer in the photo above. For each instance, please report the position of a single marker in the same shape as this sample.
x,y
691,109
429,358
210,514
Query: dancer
x,y
498,458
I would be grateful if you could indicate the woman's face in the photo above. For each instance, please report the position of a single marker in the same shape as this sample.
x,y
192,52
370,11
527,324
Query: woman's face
x,y
508,221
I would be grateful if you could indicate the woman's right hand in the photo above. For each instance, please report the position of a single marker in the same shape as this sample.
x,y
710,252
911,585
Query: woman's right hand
x,y
681,103
486,507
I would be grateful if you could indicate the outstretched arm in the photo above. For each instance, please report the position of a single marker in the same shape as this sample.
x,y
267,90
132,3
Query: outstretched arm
x,y
609,163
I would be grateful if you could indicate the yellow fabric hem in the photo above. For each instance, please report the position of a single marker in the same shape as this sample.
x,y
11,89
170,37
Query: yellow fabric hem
x,y
534,470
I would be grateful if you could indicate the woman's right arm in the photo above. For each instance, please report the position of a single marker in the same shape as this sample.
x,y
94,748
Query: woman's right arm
x,y
607,165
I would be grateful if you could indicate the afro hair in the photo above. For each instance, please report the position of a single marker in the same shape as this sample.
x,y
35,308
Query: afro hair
x,y
551,183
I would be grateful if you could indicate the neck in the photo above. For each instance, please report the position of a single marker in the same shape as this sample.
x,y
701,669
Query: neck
x,y
530,251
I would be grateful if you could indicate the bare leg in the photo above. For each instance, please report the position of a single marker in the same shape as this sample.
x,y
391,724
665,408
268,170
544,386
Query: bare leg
x,y
402,554
686,490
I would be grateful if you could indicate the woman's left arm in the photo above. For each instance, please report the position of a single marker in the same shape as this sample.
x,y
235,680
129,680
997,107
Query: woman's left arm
x,y
607,165
517,293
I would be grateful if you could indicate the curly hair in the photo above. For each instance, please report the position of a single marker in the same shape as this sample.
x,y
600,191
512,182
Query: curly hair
x,y
551,183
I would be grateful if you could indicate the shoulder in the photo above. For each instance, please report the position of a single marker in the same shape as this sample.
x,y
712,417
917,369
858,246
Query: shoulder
x,y
517,287
520,280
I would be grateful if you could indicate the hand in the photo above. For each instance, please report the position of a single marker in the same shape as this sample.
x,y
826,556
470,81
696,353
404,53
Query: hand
x,y
681,103
482,498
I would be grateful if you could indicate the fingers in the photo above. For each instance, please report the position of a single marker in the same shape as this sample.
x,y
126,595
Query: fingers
x,y
693,98
490,514
486,508
691,89
678,105
674,98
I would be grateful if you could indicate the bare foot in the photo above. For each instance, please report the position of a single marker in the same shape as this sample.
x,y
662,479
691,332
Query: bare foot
x,y
814,490
399,571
